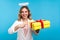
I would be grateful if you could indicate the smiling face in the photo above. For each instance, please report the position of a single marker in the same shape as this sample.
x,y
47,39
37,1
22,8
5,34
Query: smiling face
x,y
24,13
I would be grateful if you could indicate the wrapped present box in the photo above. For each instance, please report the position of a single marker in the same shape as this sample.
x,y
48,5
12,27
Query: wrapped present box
x,y
36,25
44,23
39,24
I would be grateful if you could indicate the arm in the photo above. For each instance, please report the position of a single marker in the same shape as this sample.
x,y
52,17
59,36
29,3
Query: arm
x,y
11,29
19,26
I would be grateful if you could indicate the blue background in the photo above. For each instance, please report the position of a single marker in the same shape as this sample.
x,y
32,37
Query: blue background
x,y
40,9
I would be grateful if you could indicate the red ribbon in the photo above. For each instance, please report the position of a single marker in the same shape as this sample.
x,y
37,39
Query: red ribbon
x,y
31,24
41,21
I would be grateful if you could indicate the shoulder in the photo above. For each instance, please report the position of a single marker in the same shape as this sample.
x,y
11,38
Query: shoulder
x,y
32,20
17,21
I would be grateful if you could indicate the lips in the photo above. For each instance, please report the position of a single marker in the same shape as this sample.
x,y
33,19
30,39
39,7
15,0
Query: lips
x,y
24,15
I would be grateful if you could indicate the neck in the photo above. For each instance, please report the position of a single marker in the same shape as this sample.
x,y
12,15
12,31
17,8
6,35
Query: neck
x,y
25,19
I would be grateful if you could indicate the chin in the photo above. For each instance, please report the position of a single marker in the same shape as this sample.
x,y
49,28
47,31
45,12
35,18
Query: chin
x,y
24,17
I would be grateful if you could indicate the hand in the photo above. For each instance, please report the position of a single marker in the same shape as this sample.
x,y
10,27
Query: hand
x,y
22,25
19,26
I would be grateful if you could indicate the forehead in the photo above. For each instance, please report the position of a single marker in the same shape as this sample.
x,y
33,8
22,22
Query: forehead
x,y
24,9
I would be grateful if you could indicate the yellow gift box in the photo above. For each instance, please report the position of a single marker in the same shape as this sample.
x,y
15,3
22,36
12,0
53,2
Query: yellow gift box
x,y
39,24
36,25
46,23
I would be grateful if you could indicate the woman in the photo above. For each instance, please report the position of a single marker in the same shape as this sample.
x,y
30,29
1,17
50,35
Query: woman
x,y
22,26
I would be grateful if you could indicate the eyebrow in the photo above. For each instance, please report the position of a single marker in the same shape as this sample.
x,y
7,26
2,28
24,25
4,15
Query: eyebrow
x,y
21,11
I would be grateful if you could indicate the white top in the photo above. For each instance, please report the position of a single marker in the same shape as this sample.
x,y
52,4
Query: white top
x,y
22,33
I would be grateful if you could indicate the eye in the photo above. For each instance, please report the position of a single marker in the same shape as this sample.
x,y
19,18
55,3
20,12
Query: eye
x,y
21,11
26,11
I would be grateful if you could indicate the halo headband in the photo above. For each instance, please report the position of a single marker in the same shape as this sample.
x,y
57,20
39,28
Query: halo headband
x,y
23,4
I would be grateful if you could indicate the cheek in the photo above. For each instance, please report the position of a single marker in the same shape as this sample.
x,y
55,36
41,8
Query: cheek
x,y
22,15
26,14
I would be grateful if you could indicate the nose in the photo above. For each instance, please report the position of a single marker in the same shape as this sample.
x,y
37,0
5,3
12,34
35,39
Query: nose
x,y
24,12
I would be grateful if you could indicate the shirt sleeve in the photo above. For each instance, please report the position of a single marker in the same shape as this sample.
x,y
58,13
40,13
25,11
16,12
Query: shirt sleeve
x,y
11,29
